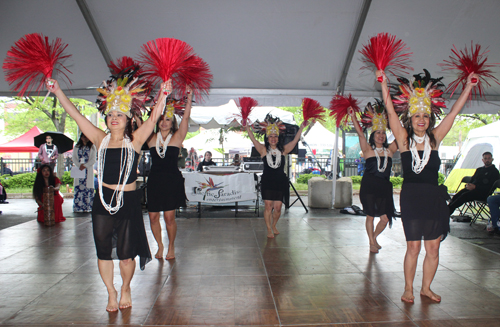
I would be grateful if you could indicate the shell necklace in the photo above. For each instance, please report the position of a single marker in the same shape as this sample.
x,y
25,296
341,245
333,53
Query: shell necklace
x,y
269,157
386,152
418,164
125,166
161,146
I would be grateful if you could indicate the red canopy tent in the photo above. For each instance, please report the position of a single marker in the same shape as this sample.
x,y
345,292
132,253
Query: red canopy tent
x,y
23,143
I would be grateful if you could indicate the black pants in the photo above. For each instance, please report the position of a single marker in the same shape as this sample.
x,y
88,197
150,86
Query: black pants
x,y
465,196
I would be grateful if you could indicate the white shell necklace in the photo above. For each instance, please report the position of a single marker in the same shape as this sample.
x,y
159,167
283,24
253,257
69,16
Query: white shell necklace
x,y
417,164
277,154
386,152
124,167
161,146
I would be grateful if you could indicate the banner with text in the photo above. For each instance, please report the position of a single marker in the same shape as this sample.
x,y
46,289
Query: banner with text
x,y
220,189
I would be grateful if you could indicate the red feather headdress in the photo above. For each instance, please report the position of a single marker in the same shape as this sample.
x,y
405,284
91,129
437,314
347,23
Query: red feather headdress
x,y
374,116
246,105
385,51
311,109
339,106
410,97
32,60
470,62
122,64
168,58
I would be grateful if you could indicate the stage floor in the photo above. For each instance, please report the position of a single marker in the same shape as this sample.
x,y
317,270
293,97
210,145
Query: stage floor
x,y
317,272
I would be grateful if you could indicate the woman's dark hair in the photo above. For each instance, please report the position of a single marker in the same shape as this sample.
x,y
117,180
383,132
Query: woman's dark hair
x,y
409,128
80,142
371,141
174,127
281,140
40,182
128,127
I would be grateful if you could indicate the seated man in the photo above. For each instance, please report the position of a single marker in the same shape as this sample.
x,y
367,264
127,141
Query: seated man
x,y
494,205
480,185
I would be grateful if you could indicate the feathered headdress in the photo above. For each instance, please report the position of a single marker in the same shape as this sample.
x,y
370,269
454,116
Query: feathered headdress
x,y
339,106
125,92
311,109
470,62
246,105
270,125
33,59
385,52
420,94
374,116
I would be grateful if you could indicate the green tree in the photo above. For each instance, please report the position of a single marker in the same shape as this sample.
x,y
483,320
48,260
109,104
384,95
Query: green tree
x,y
464,123
328,123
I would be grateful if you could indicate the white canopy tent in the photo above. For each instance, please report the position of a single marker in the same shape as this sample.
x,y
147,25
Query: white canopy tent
x,y
210,138
319,137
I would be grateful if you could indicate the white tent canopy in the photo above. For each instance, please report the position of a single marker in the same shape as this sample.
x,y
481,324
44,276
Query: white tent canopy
x,y
224,116
319,138
480,140
275,51
210,139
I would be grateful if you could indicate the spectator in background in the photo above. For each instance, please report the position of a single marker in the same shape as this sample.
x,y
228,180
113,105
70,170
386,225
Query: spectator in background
x,y
183,154
494,205
480,185
6,170
48,152
361,163
44,178
193,156
236,160
207,161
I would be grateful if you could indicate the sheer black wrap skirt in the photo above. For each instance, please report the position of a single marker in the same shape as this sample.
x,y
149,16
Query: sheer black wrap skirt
x,y
122,235
376,196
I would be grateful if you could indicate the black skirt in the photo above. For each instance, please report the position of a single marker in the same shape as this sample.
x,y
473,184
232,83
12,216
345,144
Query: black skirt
x,y
165,191
274,186
424,212
122,235
376,196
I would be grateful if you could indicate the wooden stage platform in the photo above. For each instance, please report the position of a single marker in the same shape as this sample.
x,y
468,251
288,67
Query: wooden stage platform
x,y
317,272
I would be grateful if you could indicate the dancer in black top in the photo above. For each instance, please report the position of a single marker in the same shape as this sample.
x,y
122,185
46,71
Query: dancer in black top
x,y
117,220
274,183
165,190
376,188
423,203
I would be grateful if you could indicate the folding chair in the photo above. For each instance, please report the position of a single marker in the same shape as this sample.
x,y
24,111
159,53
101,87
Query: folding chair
x,y
482,205
468,205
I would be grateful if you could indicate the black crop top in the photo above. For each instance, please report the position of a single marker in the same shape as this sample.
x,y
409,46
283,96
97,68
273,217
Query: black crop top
x,y
428,175
371,167
112,166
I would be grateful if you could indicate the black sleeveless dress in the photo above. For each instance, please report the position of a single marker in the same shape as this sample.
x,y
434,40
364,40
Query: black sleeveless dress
x,y
376,189
424,211
274,182
165,189
121,235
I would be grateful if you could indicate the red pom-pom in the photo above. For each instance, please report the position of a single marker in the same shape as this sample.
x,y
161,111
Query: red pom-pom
x,y
122,64
387,54
339,106
162,57
194,72
246,104
32,60
469,62
311,109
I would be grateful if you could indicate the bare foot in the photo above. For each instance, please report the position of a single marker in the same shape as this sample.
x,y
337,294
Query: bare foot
x,y
270,234
126,298
431,295
377,245
408,297
170,253
112,301
159,254
373,249
275,231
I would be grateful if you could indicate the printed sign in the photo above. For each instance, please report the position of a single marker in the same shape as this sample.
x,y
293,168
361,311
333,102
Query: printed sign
x,y
220,189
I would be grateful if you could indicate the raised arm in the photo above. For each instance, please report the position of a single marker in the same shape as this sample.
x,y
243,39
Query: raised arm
x,y
94,134
180,135
142,133
444,127
396,127
290,145
258,146
363,143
